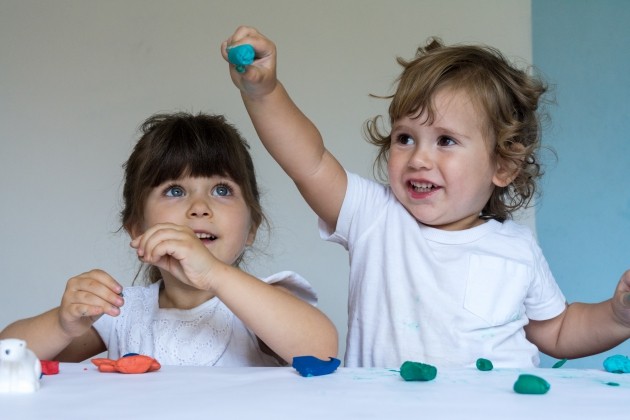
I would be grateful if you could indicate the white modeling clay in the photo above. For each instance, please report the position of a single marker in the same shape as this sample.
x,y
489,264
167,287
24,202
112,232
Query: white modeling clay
x,y
20,369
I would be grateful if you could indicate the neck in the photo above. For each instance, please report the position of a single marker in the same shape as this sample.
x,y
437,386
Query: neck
x,y
176,295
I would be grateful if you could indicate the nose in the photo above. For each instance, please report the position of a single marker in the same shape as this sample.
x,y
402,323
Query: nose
x,y
199,208
420,158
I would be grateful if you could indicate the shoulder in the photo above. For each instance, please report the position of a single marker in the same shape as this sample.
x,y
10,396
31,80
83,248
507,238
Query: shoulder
x,y
294,283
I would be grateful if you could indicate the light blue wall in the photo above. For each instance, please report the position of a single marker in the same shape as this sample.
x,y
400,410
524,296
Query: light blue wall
x,y
583,219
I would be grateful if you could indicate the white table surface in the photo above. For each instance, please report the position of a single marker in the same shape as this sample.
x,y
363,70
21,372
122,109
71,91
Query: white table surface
x,y
79,391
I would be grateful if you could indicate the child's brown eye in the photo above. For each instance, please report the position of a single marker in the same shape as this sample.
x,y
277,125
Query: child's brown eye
x,y
405,139
446,141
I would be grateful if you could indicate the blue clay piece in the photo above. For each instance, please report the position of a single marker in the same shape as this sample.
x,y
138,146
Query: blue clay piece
x,y
241,56
312,366
617,364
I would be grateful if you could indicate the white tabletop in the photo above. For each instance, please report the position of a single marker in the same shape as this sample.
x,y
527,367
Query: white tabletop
x,y
79,391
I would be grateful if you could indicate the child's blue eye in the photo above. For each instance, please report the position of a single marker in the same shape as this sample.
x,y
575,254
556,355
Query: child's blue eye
x,y
174,191
222,190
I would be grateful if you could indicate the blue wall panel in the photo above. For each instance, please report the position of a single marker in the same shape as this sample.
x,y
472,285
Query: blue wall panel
x,y
583,219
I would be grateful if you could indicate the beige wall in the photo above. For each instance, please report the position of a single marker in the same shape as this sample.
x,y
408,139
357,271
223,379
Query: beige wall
x,y
77,77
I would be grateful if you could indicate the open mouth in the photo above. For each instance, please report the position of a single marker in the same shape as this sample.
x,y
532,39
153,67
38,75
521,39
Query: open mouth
x,y
205,237
422,187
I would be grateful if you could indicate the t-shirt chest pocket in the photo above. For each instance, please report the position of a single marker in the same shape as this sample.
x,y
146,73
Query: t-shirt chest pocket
x,y
496,289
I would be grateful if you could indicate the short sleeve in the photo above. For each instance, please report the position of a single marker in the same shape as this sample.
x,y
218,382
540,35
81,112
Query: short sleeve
x,y
294,283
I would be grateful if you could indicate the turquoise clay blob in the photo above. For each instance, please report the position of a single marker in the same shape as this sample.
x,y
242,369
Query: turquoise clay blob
x,y
617,364
559,364
484,364
241,56
531,384
414,371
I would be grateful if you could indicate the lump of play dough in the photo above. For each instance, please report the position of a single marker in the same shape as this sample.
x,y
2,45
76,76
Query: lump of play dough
x,y
415,371
241,56
312,366
20,369
531,384
559,364
617,364
484,364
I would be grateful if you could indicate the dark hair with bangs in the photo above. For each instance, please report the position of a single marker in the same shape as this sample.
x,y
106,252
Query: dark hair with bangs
x,y
182,144
508,96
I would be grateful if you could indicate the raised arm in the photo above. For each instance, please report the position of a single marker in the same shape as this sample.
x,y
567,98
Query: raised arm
x,y
289,136
585,329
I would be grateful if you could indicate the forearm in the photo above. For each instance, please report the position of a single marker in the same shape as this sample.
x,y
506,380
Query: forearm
x,y
289,136
288,325
586,329
296,144
43,334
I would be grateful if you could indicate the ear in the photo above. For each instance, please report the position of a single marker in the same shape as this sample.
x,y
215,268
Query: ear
x,y
508,168
251,236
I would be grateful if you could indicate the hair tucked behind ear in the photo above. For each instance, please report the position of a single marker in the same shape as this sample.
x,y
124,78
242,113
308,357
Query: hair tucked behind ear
x,y
508,96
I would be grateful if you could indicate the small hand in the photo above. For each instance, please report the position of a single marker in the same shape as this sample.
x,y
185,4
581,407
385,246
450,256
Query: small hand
x,y
259,78
621,300
178,250
86,298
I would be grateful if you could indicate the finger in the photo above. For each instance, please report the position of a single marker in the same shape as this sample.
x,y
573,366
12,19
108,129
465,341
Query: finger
x,y
96,281
154,235
94,288
140,243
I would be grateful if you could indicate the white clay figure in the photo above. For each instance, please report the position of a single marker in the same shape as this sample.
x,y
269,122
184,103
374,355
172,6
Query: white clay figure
x,y
20,369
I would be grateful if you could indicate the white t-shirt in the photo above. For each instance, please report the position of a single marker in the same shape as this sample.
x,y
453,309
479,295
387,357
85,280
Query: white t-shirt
x,y
208,335
439,297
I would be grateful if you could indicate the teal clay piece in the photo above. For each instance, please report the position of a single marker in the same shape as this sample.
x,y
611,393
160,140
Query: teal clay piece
x,y
531,384
559,364
484,364
241,56
415,371
617,364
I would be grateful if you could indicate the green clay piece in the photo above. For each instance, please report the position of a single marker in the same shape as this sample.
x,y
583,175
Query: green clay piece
x,y
414,371
612,384
484,364
559,363
617,364
531,384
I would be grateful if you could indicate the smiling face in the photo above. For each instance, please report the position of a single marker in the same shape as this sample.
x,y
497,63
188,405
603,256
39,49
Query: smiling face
x,y
442,171
213,207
